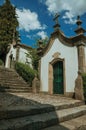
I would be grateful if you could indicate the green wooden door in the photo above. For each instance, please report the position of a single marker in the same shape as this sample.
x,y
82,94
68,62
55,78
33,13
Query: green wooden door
x,y
58,78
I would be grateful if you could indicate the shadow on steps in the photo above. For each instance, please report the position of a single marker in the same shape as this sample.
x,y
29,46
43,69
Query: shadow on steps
x,y
17,113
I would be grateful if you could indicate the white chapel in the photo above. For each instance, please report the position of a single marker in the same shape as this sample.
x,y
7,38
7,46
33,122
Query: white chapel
x,y
62,60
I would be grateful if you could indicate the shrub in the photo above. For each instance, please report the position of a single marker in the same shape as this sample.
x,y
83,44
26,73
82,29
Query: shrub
x,y
1,62
25,71
84,85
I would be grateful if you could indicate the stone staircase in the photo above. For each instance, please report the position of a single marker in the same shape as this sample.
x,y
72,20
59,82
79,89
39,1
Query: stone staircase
x,y
10,81
39,115
21,110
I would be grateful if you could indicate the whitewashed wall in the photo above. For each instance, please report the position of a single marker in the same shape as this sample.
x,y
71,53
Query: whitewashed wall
x,y
71,65
23,57
12,51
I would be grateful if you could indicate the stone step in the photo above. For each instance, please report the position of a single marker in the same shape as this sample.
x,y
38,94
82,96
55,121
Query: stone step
x,y
8,76
14,83
18,83
58,101
40,121
16,90
2,69
18,111
15,87
8,72
11,77
78,123
14,79
10,81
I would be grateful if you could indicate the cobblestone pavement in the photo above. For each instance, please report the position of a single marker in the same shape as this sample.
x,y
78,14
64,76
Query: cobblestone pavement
x,y
8,99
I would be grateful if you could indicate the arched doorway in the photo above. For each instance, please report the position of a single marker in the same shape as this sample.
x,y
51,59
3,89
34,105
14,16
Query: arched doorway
x,y
58,85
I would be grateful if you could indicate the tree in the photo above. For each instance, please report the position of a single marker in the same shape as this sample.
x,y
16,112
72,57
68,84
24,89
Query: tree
x,y
35,58
33,53
43,41
8,27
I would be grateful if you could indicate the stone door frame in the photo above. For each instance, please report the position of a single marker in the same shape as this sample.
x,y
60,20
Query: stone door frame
x,y
50,75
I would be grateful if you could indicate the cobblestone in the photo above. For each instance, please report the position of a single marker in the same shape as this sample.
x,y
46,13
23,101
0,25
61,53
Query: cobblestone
x,y
8,99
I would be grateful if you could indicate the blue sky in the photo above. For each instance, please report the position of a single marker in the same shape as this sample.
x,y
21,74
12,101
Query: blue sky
x,y
36,17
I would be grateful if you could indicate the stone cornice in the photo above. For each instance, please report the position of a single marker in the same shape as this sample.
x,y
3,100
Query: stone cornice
x,y
23,46
70,42
79,38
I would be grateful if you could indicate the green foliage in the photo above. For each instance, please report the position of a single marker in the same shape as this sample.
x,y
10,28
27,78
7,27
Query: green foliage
x,y
33,54
44,42
1,62
35,58
8,25
84,85
25,72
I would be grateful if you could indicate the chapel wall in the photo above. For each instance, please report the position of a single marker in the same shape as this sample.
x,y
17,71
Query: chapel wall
x,y
69,54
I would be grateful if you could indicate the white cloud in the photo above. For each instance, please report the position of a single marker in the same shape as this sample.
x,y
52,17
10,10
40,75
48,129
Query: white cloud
x,y
42,34
28,20
73,8
69,18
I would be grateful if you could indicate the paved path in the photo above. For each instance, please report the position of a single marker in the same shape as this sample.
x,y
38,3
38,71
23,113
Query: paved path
x,y
24,98
8,99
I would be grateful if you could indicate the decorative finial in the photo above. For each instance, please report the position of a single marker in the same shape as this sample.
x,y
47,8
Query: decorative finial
x,y
79,29
79,22
56,18
56,26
